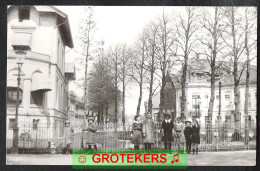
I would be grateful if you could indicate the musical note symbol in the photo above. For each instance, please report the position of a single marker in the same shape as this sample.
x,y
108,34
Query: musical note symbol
x,y
174,158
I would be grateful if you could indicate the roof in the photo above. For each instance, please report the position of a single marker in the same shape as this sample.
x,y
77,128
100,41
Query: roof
x,y
201,66
63,22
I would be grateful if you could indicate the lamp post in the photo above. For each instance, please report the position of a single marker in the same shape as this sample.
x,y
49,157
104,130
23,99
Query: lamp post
x,y
20,62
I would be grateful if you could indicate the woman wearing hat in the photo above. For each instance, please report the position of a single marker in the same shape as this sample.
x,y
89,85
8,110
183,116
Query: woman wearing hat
x,y
195,138
188,133
69,136
89,133
167,131
148,132
136,132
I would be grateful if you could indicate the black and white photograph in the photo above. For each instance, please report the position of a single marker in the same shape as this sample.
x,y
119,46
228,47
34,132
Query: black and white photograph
x,y
131,78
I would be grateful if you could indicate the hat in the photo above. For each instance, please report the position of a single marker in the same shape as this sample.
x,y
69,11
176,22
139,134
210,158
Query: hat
x,y
67,121
188,121
167,114
179,118
136,116
148,115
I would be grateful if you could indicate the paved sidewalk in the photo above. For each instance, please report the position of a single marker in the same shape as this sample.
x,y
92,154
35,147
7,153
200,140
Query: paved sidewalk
x,y
237,158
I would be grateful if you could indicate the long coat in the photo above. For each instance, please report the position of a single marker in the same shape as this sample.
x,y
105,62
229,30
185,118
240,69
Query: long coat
x,y
148,130
69,135
188,134
195,138
137,137
89,134
167,129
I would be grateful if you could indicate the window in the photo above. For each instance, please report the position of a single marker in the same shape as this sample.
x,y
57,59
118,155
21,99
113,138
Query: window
x,y
12,95
227,99
11,123
195,100
207,101
37,98
24,14
249,100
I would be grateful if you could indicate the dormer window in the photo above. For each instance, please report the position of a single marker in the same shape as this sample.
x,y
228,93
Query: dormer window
x,y
24,14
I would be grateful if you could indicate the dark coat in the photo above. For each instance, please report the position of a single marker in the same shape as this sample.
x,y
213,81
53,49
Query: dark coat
x,y
167,129
188,134
137,137
195,138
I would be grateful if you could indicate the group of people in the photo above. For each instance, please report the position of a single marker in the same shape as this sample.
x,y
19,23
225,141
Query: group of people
x,y
143,132
88,135
183,135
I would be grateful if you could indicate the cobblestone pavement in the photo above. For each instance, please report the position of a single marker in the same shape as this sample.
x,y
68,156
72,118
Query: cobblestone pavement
x,y
237,158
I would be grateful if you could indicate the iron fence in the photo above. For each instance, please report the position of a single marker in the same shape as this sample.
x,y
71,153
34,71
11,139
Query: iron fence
x,y
45,138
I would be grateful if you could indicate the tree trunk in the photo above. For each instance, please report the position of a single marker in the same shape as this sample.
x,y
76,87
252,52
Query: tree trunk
x,y
116,82
150,101
86,72
236,79
247,81
141,81
106,111
162,97
98,117
213,68
102,113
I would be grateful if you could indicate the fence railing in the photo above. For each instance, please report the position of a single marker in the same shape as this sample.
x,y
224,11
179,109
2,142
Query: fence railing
x,y
220,137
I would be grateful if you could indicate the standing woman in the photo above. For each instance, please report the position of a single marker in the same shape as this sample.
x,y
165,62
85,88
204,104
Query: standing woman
x,y
136,132
195,138
91,138
148,132
69,136
179,134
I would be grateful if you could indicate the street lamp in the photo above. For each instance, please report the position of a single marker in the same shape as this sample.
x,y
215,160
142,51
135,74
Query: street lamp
x,y
20,62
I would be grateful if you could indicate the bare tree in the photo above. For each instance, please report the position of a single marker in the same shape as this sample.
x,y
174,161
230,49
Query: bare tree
x,y
150,60
236,45
166,40
138,71
185,30
86,30
213,27
124,73
250,42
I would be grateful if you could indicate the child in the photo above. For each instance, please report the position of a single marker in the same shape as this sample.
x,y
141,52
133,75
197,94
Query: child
x,y
195,139
188,133
167,132
148,132
136,132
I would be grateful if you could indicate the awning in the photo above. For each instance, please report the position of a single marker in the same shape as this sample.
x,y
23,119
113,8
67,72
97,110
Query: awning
x,y
13,84
41,83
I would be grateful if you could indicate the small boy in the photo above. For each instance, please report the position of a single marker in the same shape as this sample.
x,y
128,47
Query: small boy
x,y
188,133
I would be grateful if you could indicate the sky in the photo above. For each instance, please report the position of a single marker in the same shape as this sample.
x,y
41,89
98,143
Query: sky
x,y
114,25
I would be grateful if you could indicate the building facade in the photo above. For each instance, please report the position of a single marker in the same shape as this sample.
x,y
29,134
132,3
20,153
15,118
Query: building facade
x,y
41,33
198,94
